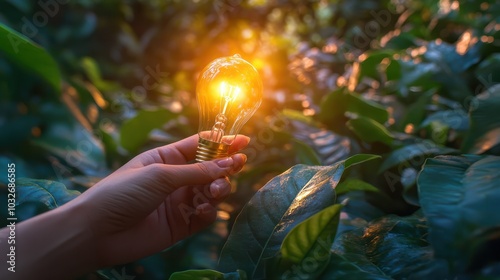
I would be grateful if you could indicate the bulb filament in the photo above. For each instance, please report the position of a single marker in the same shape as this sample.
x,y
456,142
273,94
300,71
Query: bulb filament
x,y
229,94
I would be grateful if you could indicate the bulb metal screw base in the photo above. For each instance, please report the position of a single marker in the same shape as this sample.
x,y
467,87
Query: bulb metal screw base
x,y
208,150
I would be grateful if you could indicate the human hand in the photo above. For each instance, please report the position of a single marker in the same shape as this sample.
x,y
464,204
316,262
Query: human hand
x,y
156,199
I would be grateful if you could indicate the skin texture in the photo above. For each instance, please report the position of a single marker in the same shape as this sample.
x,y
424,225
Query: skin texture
x,y
147,205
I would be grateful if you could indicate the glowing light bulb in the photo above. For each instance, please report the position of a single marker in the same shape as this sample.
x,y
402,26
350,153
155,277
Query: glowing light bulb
x,y
229,91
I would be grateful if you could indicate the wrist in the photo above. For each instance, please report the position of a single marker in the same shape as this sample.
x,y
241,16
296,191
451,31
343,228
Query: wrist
x,y
55,245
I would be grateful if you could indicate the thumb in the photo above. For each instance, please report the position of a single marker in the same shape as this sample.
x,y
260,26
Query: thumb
x,y
175,176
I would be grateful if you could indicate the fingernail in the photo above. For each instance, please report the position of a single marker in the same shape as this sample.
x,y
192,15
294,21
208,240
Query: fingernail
x,y
226,162
215,189
240,162
203,209
219,188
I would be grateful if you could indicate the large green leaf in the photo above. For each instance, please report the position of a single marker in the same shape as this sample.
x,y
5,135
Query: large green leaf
x,y
458,196
276,208
484,132
353,184
305,251
135,131
29,55
369,130
389,247
37,196
419,150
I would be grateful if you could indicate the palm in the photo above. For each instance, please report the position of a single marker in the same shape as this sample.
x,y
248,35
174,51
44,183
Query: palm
x,y
146,211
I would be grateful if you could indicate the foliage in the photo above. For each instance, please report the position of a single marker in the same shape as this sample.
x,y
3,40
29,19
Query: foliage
x,y
88,84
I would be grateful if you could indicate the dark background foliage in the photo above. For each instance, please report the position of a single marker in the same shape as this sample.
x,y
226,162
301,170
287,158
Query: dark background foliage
x,y
407,80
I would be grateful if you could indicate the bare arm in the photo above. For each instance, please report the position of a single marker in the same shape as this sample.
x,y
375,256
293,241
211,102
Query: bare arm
x,y
147,205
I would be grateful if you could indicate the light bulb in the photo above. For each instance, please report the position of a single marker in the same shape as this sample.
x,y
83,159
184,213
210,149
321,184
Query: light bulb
x,y
229,91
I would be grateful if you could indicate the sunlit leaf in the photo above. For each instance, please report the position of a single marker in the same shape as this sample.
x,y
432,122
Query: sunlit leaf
x,y
309,243
276,208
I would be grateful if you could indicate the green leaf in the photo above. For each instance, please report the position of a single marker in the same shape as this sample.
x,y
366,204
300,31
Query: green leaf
x,y
34,197
417,78
335,105
207,274
30,56
369,130
454,119
305,154
359,158
458,196
403,41
340,268
371,67
450,65
488,71
365,107
421,150
312,238
484,132
135,131
305,251
353,184
309,243
390,247
446,56
416,111
91,68
275,209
